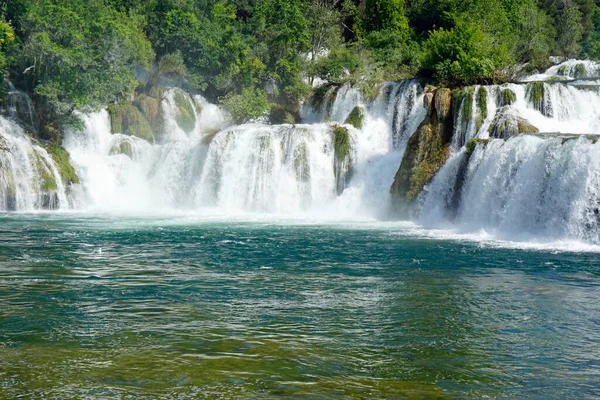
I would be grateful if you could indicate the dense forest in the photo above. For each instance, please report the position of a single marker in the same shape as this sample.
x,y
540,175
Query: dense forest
x,y
256,55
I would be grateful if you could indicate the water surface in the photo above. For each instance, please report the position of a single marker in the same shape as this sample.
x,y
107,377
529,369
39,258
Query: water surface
x,y
112,307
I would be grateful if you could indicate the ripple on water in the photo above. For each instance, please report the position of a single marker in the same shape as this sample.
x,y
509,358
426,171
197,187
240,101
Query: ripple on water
x,y
239,310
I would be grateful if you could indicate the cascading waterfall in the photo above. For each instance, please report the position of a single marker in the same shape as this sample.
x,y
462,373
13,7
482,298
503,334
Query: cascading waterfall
x,y
282,169
29,177
515,182
542,186
525,187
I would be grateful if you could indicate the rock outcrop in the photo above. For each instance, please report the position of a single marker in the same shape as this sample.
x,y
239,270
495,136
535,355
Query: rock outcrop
x,y
426,152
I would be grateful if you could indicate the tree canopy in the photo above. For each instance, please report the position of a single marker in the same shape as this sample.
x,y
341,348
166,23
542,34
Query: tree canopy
x,y
69,54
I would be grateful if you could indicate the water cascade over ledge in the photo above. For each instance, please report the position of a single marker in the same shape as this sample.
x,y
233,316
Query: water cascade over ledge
x,y
519,160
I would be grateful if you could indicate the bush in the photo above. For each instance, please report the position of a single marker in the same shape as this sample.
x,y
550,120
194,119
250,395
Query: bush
x,y
462,55
336,65
245,106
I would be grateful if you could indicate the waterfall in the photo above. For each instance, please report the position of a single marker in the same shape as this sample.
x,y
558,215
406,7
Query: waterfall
x,y
277,169
522,188
29,177
539,179
570,69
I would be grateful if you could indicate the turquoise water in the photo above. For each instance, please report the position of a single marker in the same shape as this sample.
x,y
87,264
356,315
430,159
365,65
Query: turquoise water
x,y
110,307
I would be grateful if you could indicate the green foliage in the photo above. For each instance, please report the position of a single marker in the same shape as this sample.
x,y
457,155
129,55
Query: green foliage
x,y
186,117
342,143
80,55
569,30
72,55
506,97
334,67
463,54
356,117
7,36
127,119
248,105
62,160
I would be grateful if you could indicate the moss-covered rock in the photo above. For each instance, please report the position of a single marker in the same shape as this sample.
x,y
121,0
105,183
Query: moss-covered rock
x,y
536,95
62,160
507,123
151,109
562,70
506,97
427,100
442,100
462,100
426,152
186,116
482,107
342,163
472,144
579,71
525,126
122,148
48,181
127,119
356,117
342,142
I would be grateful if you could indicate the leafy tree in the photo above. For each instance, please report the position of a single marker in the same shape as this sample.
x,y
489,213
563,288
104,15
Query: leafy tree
x,y
7,36
79,56
248,105
569,30
463,54
537,44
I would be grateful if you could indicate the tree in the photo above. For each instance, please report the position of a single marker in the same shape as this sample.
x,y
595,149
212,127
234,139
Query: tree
x,y
569,30
79,56
7,36
536,44
463,54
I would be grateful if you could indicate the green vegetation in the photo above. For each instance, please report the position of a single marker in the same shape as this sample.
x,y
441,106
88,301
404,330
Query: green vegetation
x,y
186,116
342,143
472,144
127,119
62,160
482,106
536,93
579,71
70,55
506,97
48,183
248,105
356,117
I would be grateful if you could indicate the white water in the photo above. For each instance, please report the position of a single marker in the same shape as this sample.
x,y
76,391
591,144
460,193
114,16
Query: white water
x,y
525,188
570,69
567,108
281,169
23,163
